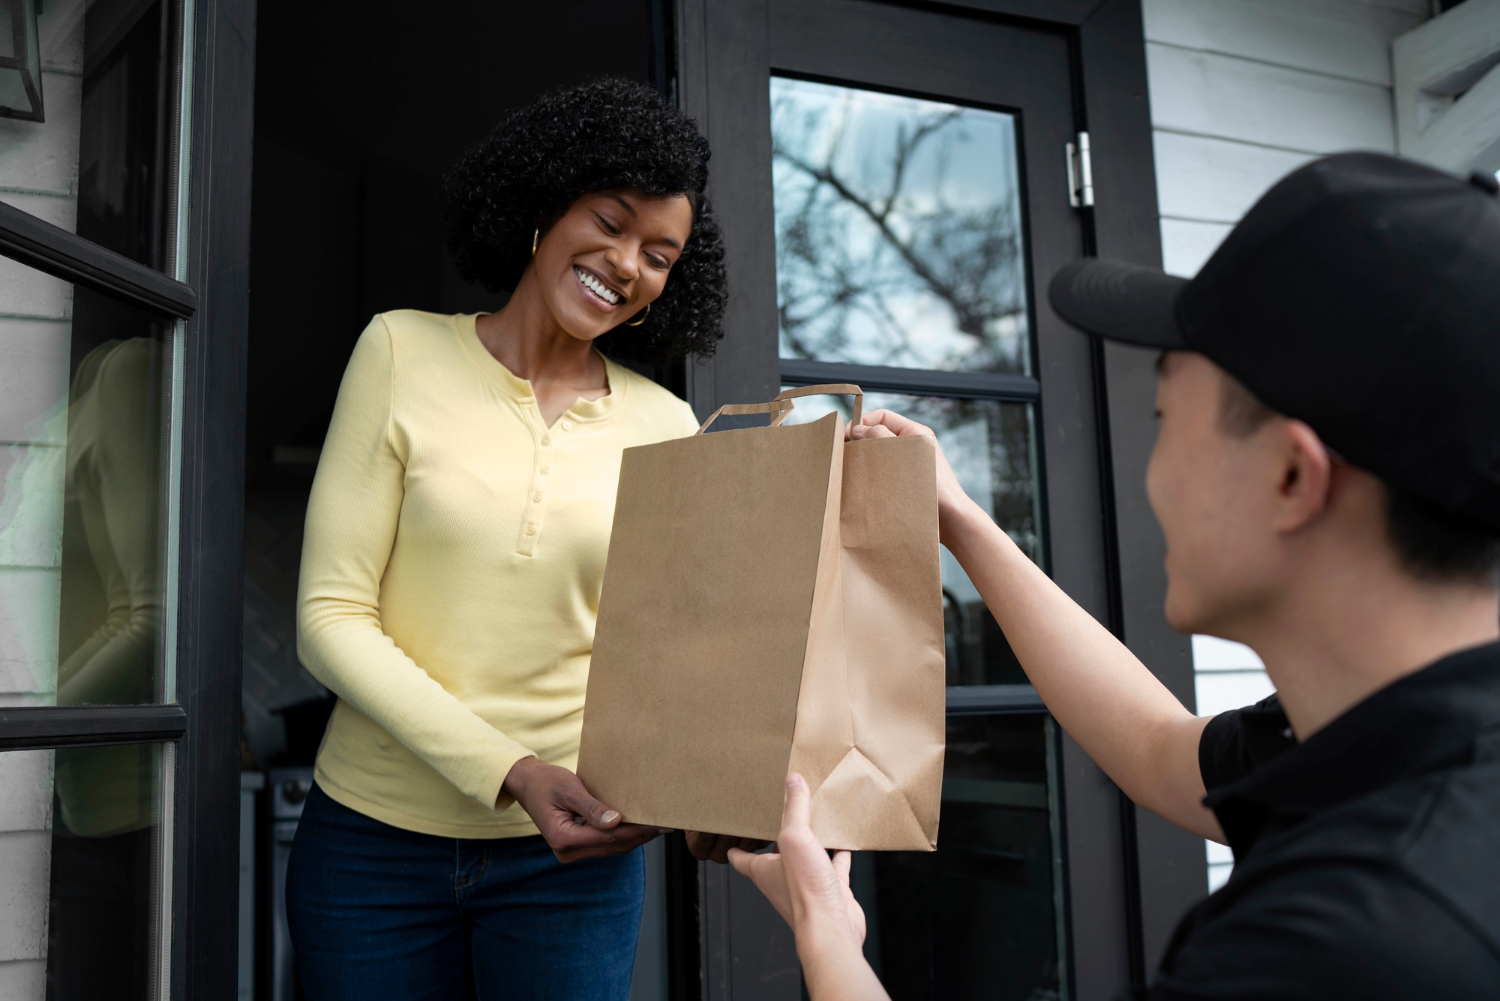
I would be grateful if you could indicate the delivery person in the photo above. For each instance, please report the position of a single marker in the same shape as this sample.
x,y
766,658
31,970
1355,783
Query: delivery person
x,y
1327,475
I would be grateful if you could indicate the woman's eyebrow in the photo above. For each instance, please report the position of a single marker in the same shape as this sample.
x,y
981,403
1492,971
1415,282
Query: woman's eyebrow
x,y
628,207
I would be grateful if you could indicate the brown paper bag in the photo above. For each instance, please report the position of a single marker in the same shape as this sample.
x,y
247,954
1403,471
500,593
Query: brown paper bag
x,y
772,601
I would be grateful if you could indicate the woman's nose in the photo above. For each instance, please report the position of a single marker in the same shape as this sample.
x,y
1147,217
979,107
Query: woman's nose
x,y
623,262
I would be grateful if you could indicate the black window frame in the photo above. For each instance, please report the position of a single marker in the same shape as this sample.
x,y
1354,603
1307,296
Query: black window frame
x,y
1138,872
203,724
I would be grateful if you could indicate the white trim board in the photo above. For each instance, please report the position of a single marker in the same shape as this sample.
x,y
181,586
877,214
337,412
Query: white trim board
x,y
1339,38
1231,98
1205,179
1447,89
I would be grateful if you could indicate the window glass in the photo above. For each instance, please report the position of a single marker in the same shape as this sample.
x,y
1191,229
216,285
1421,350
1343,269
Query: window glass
x,y
898,231
84,446
101,160
978,918
80,852
991,446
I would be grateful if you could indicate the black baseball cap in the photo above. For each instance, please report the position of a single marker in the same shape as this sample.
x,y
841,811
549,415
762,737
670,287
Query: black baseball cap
x,y
1361,295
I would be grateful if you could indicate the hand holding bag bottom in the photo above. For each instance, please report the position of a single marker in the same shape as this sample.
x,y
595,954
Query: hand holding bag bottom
x,y
771,602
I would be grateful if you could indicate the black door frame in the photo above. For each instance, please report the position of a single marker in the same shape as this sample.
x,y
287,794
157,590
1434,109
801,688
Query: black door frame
x,y
203,724
1136,872
210,617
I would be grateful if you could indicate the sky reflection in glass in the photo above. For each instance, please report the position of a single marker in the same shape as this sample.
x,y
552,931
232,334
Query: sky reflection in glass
x,y
898,231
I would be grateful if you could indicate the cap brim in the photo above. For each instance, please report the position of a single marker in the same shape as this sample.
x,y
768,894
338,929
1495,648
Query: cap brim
x,y
1122,302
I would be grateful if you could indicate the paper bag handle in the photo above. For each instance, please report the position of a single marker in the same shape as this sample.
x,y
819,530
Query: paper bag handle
x,y
778,406
831,389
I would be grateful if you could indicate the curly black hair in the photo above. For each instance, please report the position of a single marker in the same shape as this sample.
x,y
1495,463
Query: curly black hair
x,y
541,158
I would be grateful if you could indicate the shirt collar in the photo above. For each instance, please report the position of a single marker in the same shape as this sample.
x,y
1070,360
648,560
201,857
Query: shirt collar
x,y
520,390
1420,723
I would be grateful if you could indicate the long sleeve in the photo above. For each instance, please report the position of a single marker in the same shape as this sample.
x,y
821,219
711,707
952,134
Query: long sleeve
x,y
352,521
451,571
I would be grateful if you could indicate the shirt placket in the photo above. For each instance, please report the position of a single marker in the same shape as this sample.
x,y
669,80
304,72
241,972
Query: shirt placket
x,y
542,471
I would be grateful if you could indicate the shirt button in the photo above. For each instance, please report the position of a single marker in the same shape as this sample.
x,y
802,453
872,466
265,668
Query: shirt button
x,y
567,425
546,470
530,529
537,497
546,440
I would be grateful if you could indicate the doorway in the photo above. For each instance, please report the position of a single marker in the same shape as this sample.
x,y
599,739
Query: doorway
x,y
357,117
937,306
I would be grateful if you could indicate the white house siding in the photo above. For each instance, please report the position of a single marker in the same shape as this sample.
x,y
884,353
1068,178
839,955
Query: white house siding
x,y
38,173
1242,92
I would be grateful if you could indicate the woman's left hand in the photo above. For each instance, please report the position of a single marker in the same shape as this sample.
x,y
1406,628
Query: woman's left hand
x,y
716,847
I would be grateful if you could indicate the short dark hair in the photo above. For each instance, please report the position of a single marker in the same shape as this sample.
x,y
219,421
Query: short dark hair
x,y
539,159
1436,545
1431,543
1241,413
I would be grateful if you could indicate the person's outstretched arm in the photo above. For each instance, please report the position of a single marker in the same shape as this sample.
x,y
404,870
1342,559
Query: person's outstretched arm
x,y
811,891
1099,692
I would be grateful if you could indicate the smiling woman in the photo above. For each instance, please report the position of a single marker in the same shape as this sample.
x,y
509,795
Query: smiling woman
x,y
573,151
455,547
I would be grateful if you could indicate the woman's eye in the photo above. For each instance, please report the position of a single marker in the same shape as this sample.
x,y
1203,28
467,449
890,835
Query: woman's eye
x,y
609,227
657,262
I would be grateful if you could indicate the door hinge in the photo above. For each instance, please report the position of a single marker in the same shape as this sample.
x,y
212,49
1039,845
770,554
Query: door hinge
x,y
1080,173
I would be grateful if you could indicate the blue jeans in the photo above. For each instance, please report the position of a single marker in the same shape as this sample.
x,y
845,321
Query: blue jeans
x,y
377,912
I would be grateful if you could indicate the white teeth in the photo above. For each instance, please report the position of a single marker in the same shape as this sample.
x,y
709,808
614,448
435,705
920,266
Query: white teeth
x,y
597,287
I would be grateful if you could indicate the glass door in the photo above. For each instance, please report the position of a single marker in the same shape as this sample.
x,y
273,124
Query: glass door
x,y
106,823
894,225
902,265
901,262
87,511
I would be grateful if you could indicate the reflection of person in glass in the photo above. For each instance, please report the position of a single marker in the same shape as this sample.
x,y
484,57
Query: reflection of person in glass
x,y
99,926
452,562
111,593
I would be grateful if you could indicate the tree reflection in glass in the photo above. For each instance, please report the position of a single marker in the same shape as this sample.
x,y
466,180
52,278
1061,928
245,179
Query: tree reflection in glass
x,y
898,231
990,445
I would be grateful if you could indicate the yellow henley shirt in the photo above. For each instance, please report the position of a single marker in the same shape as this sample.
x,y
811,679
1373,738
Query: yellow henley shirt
x,y
451,568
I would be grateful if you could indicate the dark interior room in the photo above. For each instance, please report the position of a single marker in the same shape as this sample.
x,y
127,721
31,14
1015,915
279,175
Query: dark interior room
x,y
358,113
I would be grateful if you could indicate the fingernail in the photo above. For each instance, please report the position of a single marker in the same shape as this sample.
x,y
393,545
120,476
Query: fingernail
x,y
610,816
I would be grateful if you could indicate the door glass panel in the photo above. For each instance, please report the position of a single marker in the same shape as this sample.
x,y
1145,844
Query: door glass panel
x,y
80,854
978,918
898,231
85,393
101,160
991,446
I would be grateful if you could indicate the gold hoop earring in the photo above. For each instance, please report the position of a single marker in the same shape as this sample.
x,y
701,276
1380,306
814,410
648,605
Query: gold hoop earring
x,y
536,238
641,319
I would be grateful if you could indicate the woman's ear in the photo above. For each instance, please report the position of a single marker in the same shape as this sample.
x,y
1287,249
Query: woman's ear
x,y
1306,475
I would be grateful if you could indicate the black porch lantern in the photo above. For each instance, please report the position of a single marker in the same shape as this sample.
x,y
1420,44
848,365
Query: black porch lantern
x,y
20,61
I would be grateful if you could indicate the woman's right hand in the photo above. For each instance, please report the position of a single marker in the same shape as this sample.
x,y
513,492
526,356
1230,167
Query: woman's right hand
x,y
574,823
952,501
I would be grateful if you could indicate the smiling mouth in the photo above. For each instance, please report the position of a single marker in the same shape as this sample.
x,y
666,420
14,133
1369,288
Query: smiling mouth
x,y
596,288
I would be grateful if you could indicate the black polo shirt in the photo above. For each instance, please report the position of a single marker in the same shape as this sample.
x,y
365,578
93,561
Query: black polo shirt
x,y
1367,859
